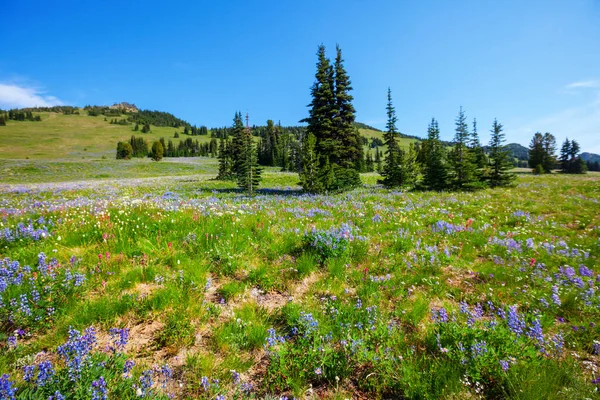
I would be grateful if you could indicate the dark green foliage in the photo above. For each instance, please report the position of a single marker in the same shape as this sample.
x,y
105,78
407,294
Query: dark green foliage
x,y
542,152
225,160
500,162
309,175
331,121
139,146
124,151
157,118
400,167
2,121
176,135
592,165
136,127
23,115
475,146
462,158
157,151
146,128
248,173
570,161
435,164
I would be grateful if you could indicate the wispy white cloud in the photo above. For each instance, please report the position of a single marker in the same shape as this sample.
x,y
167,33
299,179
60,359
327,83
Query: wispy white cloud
x,y
18,96
592,84
581,122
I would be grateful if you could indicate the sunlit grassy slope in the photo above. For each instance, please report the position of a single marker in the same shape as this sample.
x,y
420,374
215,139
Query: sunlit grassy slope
x,y
60,136
72,136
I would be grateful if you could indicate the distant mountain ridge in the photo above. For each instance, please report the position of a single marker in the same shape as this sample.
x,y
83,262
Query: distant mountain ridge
x,y
591,157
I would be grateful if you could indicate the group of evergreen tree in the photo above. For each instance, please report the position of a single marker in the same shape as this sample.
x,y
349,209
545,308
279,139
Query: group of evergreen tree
x,y
430,166
570,162
278,149
121,121
190,148
238,157
332,153
139,147
20,115
157,118
542,153
592,165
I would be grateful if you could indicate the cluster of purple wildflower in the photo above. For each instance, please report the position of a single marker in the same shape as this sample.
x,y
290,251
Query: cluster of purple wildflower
x,y
29,231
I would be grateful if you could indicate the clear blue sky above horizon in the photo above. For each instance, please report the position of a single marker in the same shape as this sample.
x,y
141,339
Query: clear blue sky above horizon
x,y
534,65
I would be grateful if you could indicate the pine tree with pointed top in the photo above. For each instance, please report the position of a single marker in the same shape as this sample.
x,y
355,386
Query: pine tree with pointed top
x,y
248,172
500,162
435,168
475,145
351,152
309,176
462,159
391,169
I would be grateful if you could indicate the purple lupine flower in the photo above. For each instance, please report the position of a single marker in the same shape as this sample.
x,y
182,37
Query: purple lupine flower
x,y
127,368
7,391
99,391
515,322
145,383
535,332
505,365
46,372
555,297
28,372
119,338
166,374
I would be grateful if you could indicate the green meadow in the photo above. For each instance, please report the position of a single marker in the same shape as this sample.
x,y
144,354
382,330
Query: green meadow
x,y
165,282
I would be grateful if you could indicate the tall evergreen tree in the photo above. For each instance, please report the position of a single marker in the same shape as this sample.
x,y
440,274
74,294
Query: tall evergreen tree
x,y
309,175
565,156
394,155
536,153
500,162
225,161
462,158
476,148
351,161
549,143
331,121
248,172
435,171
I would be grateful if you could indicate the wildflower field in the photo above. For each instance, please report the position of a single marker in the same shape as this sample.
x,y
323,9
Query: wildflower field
x,y
182,287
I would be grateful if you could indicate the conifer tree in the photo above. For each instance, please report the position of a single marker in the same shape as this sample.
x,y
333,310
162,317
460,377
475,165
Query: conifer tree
x,y
565,156
500,162
462,158
157,151
351,153
331,121
309,176
378,162
225,162
475,145
549,161
369,163
392,167
435,168
537,153
248,172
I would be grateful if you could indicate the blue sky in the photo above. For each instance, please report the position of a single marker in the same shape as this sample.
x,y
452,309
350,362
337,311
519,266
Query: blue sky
x,y
534,65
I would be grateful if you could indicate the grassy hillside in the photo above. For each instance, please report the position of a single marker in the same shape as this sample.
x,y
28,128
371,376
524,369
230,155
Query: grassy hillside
x,y
60,136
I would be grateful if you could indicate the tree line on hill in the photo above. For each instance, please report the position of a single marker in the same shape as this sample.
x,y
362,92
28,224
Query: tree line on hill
x,y
543,159
138,147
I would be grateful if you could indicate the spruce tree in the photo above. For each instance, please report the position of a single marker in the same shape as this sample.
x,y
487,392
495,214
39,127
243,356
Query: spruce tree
x,y
331,121
309,176
248,172
351,153
391,169
475,145
565,156
225,161
435,169
536,153
157,151
500,162
462,158
549,161
378,162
